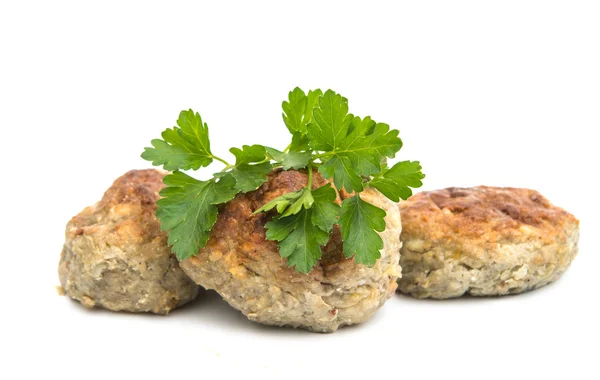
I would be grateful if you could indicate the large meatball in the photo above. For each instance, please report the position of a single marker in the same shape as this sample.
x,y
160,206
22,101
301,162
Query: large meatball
x,y
248,272
483,241
115,256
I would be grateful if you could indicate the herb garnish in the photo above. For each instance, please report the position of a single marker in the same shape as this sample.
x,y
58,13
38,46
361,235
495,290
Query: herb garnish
x,y
349,150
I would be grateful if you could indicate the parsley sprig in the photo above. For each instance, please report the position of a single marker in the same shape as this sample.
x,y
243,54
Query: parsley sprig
x,y
350,151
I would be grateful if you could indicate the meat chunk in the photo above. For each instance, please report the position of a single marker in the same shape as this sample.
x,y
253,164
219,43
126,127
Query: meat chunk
x,y
483,241
116,257
248,272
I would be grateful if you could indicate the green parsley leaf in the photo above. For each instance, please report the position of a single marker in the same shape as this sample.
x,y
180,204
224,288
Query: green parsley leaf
x,y
290,203
296,160
290,160
297,111
248,154
325,211
299,142
369,144
331,123
343,174
250,171
351,151
359,222
353,147
274,154
303,231
188,210
299,239
396,182
184,147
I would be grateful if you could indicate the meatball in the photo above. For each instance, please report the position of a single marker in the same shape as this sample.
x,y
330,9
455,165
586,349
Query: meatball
x,y
115,256
248,272
483,241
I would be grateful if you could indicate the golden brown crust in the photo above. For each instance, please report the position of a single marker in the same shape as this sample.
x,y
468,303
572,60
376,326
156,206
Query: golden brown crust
x,y
129,206
483,241
248,271
136,187
236,222
483,216
115,255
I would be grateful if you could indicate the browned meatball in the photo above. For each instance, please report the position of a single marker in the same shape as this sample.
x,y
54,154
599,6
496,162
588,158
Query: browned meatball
x,y
483,241
247,270
115,256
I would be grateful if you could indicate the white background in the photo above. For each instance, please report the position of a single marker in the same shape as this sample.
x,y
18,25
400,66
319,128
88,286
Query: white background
x,y
495,93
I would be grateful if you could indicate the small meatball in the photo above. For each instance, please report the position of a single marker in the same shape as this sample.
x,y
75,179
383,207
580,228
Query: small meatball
x,y
116,257
247,271
483,241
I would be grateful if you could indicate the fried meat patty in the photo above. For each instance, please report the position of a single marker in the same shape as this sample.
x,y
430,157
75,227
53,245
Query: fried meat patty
x,y
247,271
116,257
483,241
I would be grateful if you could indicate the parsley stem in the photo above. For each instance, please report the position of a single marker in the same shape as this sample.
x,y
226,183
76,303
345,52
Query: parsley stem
x,y
310,176
221,160
263,161
322,155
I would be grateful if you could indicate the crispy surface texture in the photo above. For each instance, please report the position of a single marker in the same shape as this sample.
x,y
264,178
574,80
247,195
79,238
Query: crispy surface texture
x,y
116,257
483,241
247,271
